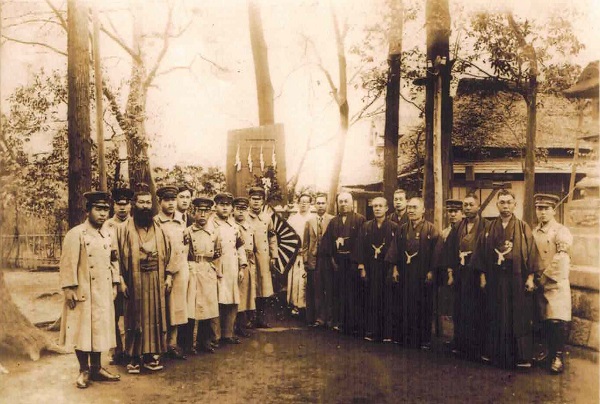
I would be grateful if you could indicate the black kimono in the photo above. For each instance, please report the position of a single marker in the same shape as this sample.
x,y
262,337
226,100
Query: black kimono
x,y
339,241
507,256
468,311
416,252
373,245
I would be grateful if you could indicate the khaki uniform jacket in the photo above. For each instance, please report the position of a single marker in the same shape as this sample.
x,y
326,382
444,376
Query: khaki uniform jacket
x,y
248,284
556,302
265,247
88,262
203,300
233,256
178,267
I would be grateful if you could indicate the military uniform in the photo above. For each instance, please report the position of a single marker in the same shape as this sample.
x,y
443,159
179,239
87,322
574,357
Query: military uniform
x,y
232,259
89,274
554,241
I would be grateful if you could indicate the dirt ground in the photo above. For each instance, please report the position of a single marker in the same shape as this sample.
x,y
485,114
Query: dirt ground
x,y
290,363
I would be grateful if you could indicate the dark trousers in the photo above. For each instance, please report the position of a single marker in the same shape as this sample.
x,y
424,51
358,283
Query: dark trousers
x,y
314,296
88,360
348,297
378,304
207,332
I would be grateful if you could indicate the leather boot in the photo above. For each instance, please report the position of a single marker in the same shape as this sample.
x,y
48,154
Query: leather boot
x,y
83,380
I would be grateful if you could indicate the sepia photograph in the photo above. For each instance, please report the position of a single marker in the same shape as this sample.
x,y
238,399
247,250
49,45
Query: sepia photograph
x,y
299,201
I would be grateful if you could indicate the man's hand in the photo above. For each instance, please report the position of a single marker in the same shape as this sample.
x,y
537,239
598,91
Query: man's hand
x,y
450,277
529,286
482,281
363,272
429,277
395,274
334,266
169,283
71,297
273,263
114,291
123,289
241,273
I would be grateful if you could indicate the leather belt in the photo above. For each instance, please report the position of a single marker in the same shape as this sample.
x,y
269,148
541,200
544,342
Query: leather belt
x,y
200,258
148,265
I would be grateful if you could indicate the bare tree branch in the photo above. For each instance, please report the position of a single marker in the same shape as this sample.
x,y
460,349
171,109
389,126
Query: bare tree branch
x,y
32,21
189,66
359,115
115,37
164,49
45,45
58,14
411,102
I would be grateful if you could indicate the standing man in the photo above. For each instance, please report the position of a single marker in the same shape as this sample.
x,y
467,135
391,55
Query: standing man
x,y
454,214
469,305
230,266
247,305
413,257
89,277
318,277
399,215
376,237
442,295
296,289
508,259
170,221
122,208
265,246
203,300
553,241
184,200
339,241
144,252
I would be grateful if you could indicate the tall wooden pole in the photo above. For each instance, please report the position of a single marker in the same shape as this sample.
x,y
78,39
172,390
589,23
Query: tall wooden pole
x,y
437,146
78,110
580,104
99,108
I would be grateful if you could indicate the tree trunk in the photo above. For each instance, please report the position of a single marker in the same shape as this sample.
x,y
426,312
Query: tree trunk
x,y
392,103
78,73
135,116
530,96
528,206
17,334
438,44
341,97
264,87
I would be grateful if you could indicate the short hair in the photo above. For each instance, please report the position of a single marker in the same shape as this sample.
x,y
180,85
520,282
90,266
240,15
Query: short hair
x,y
303,194
471,195
418,198
504,192
344,193
379,198
140,193
400,191
321,195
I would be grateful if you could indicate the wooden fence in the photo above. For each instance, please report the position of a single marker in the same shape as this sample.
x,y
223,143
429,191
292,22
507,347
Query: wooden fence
x,y
31,251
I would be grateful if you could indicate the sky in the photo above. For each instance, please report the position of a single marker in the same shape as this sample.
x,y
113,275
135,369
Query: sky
x,y
191,110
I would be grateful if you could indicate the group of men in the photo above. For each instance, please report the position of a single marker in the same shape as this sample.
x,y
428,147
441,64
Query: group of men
x,y
140,283
379,279
210,264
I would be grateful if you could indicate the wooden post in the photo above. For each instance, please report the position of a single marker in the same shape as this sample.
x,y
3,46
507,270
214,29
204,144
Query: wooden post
x,y
99,108
580,105
437,145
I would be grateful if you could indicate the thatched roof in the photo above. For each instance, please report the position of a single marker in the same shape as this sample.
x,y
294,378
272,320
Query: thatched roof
x,y
587,83
500,118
